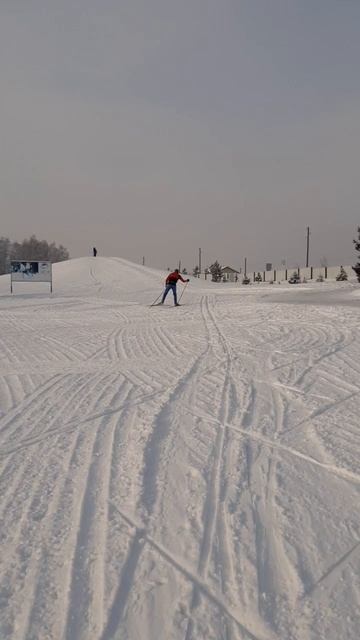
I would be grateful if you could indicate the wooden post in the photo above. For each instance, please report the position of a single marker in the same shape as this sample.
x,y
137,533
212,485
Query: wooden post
x,y
307,245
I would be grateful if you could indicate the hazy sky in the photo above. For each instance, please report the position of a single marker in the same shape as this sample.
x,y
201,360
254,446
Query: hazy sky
x,y
155,127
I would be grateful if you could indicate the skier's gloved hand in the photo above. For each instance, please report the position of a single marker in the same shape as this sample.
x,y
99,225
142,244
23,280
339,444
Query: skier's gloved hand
x,y
188,280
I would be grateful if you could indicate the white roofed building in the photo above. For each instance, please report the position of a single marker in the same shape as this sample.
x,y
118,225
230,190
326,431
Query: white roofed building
x,y
229,274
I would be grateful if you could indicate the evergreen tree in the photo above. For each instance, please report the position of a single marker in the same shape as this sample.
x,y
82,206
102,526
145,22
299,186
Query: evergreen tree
x,y
196,271
357,247
258,277
342,275
295,278
215,270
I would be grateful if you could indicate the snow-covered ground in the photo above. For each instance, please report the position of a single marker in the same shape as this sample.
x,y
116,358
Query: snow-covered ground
x,y
184,473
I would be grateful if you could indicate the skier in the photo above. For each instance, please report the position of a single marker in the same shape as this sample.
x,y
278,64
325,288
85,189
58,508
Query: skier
x,y
170,283
94,252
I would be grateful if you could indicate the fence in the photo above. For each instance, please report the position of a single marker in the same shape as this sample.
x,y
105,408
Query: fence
x,y
283,275
305,273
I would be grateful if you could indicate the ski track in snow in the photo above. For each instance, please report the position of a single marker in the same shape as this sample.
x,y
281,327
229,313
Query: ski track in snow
x,y
184,473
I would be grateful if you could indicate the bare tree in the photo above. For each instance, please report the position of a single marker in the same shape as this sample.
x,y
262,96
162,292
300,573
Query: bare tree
x,y
5,245
34,249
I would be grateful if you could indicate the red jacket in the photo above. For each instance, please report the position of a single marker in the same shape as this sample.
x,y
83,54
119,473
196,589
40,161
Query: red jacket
x,y
174,277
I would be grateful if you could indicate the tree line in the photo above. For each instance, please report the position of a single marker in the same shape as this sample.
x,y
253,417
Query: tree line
x,y
30,249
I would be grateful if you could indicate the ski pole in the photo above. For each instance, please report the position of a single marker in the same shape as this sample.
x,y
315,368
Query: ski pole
x,y
155,301
182,293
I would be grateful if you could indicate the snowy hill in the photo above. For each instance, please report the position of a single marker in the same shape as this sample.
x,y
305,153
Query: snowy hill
x,y
181,473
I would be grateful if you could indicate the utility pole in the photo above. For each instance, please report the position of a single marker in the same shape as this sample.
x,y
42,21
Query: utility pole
x,y
199,263
180,266
143,260
307,245
245,273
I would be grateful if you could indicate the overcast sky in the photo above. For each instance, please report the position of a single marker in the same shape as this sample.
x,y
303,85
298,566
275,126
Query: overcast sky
x,y
155,127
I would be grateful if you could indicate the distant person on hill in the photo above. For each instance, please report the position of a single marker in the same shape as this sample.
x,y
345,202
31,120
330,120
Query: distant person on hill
x,y
170,284
94,252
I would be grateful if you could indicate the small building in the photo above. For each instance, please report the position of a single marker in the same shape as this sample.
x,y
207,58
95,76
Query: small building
x,y
228,274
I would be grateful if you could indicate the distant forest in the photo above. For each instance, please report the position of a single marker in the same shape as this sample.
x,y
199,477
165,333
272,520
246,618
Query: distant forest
x,y
29,249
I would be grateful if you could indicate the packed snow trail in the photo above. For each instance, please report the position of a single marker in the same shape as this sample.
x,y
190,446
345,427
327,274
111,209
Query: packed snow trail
x,y
190,475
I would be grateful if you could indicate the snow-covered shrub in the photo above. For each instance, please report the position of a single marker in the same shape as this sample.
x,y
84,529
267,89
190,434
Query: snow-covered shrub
x,y
357,247
342,275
